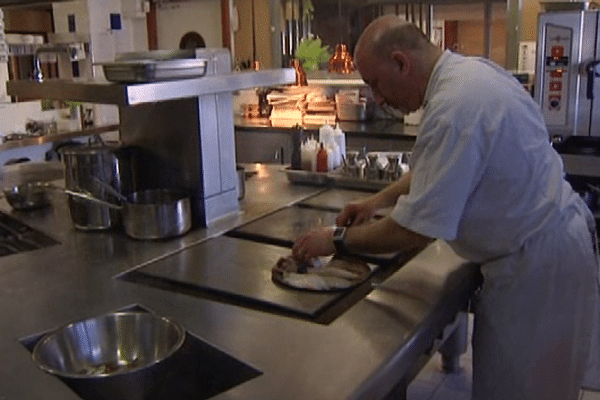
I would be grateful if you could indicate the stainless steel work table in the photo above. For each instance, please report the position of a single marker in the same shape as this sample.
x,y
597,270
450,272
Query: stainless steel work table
x,y
358,355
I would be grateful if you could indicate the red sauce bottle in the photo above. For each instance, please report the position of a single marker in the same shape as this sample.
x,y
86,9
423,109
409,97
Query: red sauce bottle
x,y
322,159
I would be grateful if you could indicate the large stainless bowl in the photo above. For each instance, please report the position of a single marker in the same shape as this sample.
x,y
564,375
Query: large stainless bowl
x,y
119,355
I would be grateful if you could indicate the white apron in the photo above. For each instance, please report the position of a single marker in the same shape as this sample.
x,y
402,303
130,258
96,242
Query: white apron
x,y
536,308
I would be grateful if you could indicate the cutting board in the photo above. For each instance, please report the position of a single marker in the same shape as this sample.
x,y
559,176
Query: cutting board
x,y
239,271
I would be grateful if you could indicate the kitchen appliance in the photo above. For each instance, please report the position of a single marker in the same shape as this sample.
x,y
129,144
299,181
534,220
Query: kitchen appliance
x,y
567,87
567,72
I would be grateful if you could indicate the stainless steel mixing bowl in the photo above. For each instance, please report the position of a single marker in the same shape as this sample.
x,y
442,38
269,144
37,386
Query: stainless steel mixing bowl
x,y
28,196
120,355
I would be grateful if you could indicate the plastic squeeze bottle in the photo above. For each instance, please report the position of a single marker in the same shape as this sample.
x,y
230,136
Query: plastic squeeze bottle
x,y
340,139
322,159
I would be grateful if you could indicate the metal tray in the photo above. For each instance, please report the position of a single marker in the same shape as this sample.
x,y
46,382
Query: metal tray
x,y
333,179
143,71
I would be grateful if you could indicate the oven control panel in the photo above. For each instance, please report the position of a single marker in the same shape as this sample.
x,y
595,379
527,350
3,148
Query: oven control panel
x,y
557,50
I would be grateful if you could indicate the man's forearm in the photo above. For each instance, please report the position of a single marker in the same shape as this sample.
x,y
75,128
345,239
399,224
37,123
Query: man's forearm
x,y
388,196
382,236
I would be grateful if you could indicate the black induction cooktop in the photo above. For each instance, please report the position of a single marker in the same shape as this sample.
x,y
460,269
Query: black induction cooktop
x,y
16,237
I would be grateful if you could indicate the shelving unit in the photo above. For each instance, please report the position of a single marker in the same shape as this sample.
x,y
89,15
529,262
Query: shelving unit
x,y
103,92
182,130
37,140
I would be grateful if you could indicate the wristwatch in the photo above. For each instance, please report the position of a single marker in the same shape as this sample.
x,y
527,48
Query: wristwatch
x,y
339,233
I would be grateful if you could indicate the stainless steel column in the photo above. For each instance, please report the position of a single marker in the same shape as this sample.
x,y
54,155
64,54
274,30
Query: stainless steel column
x,y
188,143
514,23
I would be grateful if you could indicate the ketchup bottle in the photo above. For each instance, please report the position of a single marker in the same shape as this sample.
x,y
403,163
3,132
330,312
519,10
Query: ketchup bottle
x,y
322,159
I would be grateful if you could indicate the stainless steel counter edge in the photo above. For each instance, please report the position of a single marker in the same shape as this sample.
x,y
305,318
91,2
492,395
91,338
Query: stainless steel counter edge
x,y
47,288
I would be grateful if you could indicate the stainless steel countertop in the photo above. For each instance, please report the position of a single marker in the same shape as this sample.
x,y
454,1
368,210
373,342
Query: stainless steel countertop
x,y
353,357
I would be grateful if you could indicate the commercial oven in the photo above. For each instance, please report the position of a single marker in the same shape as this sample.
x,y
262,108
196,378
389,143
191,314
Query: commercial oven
x,y
568,72
567,87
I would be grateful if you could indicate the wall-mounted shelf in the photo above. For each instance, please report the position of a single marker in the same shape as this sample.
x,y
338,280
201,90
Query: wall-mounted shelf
x,y
55,137
104,92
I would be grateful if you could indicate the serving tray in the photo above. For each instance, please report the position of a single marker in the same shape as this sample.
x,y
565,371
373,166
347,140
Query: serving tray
x,y
333,179
143,71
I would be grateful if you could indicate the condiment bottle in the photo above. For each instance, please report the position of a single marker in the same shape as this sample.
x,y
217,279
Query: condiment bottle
x,y
340,139
322,159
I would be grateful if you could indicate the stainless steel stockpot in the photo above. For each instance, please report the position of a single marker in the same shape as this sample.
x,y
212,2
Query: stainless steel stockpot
x,y
84,166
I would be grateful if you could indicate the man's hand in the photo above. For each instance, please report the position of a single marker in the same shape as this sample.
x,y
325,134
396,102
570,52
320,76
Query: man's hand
x,y
318,242
355,213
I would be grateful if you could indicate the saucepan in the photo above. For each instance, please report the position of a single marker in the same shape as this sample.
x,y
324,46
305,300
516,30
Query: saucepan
x,y
150,214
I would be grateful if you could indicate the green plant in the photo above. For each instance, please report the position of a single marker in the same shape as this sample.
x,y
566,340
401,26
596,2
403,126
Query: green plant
x,y
311,53
309,9
72,105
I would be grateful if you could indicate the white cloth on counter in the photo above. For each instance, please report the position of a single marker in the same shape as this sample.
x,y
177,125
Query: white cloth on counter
x,y
486,179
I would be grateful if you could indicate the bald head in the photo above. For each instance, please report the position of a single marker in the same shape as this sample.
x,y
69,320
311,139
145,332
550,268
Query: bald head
x,y
389,33
396,60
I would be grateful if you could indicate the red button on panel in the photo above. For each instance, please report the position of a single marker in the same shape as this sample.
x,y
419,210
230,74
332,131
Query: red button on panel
x,y
556,86
557,51
556,74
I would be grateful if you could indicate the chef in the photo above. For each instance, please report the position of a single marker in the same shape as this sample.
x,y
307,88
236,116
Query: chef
x,y
485,178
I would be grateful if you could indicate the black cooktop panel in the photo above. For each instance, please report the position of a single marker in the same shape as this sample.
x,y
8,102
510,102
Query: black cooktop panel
x,y
238,271
16,237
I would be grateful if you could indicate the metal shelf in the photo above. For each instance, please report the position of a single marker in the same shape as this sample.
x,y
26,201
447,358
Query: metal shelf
x,y
104,92
55,137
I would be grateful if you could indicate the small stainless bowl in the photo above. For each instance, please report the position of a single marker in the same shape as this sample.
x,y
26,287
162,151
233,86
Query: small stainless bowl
x,y
27,196
119,355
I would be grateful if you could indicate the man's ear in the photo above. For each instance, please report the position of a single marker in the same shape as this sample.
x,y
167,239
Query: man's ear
x,y
400,60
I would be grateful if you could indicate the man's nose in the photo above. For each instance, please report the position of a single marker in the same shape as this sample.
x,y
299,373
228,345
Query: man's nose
x,y
379,99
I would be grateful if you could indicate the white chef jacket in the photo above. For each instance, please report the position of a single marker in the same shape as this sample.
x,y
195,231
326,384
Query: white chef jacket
x,y
487,180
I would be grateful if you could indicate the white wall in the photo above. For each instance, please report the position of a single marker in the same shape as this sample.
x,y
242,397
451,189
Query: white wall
x,y
176,19
78,8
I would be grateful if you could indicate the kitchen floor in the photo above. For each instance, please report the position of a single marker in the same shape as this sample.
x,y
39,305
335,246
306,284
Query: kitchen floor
x,y
433,384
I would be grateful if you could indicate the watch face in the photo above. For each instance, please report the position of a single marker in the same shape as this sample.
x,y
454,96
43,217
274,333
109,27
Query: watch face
x,y
338,233
338,239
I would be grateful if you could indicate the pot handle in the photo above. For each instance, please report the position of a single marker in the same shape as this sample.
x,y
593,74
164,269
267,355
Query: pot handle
x,y
87,196
92,199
